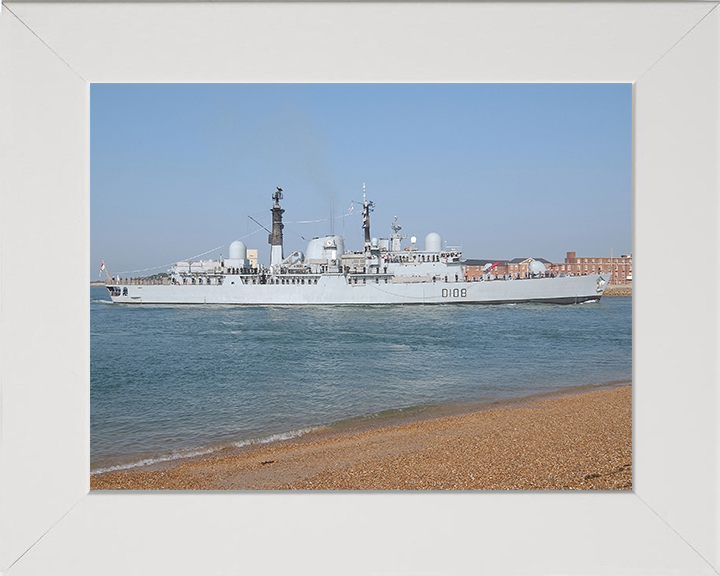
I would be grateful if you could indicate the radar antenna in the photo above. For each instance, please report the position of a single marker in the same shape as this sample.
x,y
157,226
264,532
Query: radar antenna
x,y
394,226
396,238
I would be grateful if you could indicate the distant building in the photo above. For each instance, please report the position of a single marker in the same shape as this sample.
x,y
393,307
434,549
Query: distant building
x,y
473,270
520,266
619,267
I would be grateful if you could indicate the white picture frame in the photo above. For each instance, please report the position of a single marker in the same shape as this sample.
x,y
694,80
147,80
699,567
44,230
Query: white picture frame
x,y
51,523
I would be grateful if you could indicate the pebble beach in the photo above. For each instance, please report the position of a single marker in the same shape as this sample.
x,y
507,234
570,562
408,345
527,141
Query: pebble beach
x,y
580,441
618,290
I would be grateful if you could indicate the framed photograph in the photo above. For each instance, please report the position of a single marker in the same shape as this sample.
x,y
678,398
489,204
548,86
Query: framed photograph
x,y
50,54
331,359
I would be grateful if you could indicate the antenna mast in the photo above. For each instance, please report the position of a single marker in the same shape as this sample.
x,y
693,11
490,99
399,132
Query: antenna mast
x,y
367,208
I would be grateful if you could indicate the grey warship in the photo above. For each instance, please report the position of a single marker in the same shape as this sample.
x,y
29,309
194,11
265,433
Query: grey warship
x,y
383,272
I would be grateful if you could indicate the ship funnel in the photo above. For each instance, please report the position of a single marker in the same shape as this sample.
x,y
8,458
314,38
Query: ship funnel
x,y
276,236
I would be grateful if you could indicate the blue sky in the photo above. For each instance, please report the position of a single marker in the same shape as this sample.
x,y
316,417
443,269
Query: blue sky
x,y
503,170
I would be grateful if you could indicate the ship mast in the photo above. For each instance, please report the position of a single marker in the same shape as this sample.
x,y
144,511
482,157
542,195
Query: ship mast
x,y
276,236
367,208
396,239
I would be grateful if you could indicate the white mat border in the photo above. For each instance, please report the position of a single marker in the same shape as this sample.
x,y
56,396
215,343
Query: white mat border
x,y
49,521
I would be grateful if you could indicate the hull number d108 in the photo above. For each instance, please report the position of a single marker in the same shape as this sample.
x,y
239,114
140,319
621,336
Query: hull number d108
x,y
454,292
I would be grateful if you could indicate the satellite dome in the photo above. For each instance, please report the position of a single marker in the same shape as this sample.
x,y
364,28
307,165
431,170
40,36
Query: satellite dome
x,y
537,268
433,242
238,250
315,249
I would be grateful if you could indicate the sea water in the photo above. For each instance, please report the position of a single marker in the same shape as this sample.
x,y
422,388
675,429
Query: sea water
x,y
174,381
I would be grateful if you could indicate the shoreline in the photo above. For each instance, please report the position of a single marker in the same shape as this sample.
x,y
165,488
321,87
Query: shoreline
x,y
579,438
618,290
352,425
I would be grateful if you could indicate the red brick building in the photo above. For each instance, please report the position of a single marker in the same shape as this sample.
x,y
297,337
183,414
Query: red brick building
x,y
620,267
519,267
473,270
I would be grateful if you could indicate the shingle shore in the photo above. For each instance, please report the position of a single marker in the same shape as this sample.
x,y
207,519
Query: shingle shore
x,y
618,290
577,442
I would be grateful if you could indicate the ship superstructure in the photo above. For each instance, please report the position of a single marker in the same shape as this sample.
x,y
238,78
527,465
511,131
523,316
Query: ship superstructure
x,y
383,272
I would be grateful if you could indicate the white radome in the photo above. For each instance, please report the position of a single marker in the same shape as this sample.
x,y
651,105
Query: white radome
x,y
537,268
238,250
433,242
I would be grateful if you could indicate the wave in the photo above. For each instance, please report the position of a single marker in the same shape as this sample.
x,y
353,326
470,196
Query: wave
x,y
278,437
149,461
202,452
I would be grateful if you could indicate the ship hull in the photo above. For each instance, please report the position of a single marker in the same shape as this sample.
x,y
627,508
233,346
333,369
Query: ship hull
x,y
339,289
